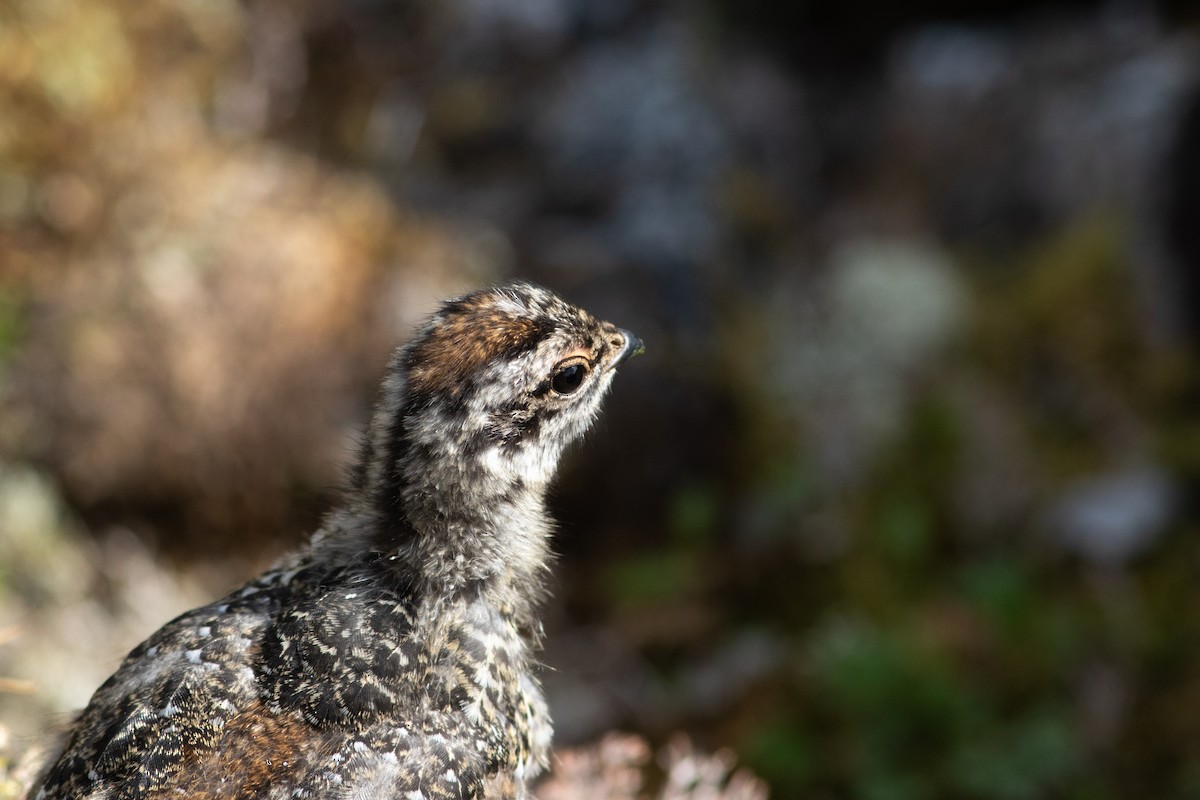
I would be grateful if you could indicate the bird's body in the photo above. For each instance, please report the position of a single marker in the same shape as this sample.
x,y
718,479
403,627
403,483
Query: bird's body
x,y
391,658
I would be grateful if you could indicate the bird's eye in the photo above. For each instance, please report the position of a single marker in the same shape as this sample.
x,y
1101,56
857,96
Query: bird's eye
x,y
568,377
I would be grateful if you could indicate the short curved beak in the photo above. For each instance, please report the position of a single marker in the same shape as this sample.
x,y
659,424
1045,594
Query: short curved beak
x,y
633,346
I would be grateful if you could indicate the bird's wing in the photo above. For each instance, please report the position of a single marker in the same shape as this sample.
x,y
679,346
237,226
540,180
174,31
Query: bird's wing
x,y
169,700
428,756
343,669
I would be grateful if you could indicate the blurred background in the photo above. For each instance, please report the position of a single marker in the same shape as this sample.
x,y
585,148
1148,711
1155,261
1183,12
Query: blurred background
x,y
900,504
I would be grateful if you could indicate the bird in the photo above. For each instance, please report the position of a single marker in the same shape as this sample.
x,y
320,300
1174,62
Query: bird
x,y
394,655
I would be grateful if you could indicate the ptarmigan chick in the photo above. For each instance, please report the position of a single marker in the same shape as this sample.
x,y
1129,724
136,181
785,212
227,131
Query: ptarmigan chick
x,y
391,658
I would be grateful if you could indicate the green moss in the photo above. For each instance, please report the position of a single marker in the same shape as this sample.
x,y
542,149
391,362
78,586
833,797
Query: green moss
x,y
905,532
1002,590
694,514
1033,756
784,754
653,578
11,326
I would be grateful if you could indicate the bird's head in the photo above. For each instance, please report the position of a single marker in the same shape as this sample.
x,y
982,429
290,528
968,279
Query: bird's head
x,y
512,374
477,409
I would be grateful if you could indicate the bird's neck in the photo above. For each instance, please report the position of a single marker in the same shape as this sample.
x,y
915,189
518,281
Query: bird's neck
x,y
461,521
452,509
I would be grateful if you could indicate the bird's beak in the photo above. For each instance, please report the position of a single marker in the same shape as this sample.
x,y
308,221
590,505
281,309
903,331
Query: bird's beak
x,y
633,346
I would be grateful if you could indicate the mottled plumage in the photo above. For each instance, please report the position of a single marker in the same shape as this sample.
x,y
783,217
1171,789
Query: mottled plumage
x,y
391,658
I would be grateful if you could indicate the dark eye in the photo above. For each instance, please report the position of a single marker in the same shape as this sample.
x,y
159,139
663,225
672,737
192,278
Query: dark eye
x,y
568,378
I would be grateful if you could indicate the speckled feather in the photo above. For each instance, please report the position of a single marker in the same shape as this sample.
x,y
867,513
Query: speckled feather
x,y
392,657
